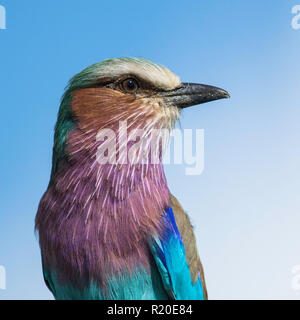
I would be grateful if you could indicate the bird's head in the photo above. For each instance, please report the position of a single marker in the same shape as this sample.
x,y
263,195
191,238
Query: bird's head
x,y
145,95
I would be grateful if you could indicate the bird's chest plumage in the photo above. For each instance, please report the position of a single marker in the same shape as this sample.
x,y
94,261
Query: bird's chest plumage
x,y
91,238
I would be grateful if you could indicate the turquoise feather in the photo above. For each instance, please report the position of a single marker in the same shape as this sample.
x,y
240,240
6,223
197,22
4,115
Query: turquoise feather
x,y
169,254
139,286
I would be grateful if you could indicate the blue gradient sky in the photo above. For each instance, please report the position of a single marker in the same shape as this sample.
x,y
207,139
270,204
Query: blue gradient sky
x,y
245,205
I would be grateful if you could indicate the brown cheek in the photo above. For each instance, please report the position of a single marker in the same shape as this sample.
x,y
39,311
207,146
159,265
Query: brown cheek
x,y
93,107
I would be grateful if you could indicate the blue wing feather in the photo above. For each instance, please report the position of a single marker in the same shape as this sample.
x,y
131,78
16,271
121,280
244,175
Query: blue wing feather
x,y
169,254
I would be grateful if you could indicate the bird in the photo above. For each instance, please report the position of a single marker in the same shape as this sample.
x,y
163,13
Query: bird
x,y
108,226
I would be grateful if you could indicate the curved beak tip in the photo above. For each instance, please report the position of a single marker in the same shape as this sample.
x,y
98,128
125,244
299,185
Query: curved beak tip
x,y
226,95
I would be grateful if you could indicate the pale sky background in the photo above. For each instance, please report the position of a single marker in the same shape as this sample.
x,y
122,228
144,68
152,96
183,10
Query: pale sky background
x,y
245,205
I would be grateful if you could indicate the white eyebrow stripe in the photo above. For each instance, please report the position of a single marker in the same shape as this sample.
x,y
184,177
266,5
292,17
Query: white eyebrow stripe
x,y
158,76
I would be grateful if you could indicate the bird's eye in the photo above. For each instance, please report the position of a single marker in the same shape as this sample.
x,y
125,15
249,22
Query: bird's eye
x,y
129,85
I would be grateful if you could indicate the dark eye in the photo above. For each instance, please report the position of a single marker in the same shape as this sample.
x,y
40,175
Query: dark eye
x,y
129,85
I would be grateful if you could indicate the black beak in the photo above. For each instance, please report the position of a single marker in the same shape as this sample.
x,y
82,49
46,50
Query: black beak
x,y
190,94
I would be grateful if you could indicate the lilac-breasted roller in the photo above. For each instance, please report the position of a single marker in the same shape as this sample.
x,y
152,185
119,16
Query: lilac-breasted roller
x,y
108,226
